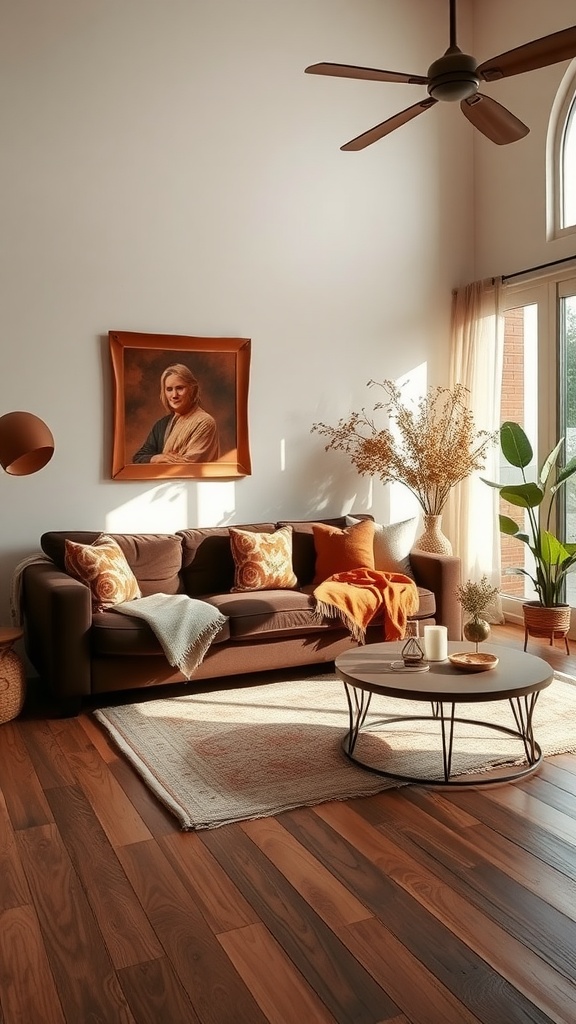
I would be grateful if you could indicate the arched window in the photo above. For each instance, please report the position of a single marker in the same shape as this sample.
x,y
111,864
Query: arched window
x,y
561,159
568,181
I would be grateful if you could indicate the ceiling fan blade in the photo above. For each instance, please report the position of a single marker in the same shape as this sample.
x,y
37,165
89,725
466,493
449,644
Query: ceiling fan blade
x,y
494,121
380,130
538,54
366,74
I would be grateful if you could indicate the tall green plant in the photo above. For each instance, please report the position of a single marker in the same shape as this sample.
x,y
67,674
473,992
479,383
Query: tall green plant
x,y
553,558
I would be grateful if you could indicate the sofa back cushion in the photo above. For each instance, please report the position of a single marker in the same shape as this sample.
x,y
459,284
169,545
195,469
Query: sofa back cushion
x,y
155,558
207,561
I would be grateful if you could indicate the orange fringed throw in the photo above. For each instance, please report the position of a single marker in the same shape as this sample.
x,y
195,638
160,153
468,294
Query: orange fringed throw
x,y
355,597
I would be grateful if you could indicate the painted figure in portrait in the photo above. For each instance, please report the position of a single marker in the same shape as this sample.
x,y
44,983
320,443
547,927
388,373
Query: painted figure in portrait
x,y
188,433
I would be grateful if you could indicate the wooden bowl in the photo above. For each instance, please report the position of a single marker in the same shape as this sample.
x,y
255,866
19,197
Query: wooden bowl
x,y
473,661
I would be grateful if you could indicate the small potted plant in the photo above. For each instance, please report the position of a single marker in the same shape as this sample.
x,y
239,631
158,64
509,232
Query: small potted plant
x,y
549,616
475,599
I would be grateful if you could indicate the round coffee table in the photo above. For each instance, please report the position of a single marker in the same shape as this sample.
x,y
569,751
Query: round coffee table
x,y
518,678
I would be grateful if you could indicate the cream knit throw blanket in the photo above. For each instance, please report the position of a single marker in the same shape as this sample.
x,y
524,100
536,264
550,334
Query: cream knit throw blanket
x,y
16,585
184,626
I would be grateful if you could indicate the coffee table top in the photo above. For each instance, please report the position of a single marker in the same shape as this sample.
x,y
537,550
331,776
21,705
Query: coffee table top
x,y
517,674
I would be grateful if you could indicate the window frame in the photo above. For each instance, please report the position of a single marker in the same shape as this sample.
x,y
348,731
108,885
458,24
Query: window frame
x,y
563,110
543,289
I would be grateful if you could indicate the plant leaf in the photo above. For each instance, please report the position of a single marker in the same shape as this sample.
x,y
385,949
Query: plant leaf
x,y
528,495
551,550
516,447
564,474
550,462
508,526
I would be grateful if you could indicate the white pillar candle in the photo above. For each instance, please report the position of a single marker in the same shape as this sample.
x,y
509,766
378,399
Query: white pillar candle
x,y
436,643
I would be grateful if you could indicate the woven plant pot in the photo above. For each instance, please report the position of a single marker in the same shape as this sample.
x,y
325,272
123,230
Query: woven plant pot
x,y
546,623
542,621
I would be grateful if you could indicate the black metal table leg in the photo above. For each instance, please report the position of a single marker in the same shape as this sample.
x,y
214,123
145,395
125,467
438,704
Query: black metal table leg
x,y
523,710
358,704
447,725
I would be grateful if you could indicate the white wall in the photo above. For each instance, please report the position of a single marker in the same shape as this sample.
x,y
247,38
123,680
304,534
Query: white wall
x,y
167,166
510,181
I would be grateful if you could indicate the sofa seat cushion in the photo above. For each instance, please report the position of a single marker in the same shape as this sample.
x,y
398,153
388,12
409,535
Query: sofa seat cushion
x,y
268,613
264,614
426,604
114,635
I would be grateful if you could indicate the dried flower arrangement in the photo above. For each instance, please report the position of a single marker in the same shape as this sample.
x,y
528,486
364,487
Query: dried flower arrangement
x,y
432,445
476,597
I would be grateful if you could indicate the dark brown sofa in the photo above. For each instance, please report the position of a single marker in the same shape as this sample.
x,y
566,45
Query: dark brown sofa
x,y
78,654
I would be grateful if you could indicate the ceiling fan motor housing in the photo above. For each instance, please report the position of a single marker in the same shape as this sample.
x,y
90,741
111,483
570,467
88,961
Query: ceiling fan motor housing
x,y
453,76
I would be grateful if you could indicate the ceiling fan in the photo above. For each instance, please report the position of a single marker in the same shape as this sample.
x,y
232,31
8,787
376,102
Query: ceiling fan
x,y
457,76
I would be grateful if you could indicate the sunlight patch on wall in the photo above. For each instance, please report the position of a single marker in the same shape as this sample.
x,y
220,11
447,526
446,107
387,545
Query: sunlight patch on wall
x,y
162,509
215,503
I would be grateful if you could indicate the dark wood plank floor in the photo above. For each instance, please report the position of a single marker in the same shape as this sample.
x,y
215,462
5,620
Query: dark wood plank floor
x,y
418,905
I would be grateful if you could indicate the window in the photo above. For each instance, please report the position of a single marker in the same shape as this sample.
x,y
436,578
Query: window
x,y
561,160
539,392
568,180
519,404
567,362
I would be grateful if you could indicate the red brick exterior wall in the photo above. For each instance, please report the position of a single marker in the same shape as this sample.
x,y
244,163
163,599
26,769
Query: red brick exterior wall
x,y
513,409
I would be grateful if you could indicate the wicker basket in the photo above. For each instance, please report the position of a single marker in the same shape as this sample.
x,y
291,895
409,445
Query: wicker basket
x,y
12,685
544,622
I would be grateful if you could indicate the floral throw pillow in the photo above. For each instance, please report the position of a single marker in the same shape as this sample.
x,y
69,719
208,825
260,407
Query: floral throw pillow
x,y
102,566
262,561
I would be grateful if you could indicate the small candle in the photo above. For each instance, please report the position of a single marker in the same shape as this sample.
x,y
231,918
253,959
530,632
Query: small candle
x,y
436,643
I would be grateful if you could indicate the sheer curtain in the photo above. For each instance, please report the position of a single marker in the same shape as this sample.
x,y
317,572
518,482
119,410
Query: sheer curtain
x,y
477,344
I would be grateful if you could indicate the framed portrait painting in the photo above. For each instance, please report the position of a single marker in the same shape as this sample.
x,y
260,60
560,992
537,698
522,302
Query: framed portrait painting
x,y
180,406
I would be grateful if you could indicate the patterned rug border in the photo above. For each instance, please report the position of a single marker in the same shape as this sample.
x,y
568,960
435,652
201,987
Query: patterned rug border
x,y
168,790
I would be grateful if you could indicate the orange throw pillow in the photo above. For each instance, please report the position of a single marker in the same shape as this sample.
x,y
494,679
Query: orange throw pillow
x,y
341,550
102,566
263,561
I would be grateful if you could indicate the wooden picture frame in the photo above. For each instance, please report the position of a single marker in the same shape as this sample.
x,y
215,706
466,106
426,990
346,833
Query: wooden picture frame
x,y
221,368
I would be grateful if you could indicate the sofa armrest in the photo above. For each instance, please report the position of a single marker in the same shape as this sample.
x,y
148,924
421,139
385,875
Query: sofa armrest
x,y
57,614
442,575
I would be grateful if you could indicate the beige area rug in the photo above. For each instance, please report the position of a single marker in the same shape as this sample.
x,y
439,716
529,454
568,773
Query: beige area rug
x,y
215,758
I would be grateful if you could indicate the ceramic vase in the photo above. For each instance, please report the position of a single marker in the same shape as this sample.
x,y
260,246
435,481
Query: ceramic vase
x,y
432,539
